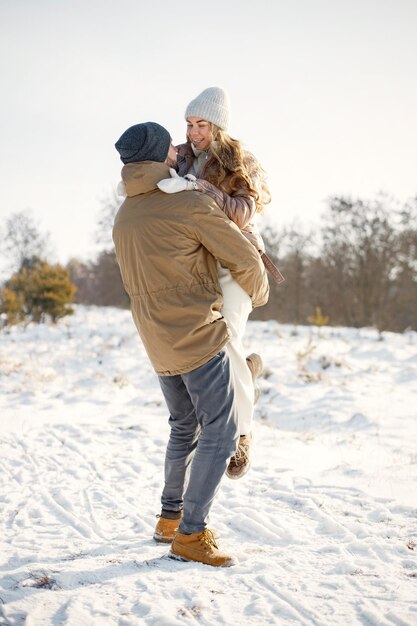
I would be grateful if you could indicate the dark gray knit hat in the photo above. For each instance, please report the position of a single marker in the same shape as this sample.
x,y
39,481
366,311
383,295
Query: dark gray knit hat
x,y
144,142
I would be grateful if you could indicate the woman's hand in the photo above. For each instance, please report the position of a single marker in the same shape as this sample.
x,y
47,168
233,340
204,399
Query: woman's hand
x,y
256,240
177,183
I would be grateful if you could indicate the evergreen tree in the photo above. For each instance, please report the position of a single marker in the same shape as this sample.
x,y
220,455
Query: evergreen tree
x,y
37,291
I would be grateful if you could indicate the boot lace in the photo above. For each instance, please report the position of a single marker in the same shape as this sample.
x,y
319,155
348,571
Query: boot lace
x,y
241,455
207,538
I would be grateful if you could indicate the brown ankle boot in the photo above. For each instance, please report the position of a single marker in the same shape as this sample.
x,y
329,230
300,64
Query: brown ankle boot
x,y
165,529
239,464
200,547
256,367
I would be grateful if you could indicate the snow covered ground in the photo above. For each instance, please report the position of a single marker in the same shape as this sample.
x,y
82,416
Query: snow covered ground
x,y
324,526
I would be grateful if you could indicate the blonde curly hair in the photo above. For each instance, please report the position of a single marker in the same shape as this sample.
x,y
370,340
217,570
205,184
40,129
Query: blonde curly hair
x,y
228,159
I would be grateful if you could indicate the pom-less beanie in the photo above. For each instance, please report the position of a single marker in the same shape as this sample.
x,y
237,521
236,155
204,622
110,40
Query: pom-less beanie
x,y
211,105
144,142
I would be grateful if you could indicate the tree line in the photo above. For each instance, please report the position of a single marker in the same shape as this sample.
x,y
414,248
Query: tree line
x,y
357,268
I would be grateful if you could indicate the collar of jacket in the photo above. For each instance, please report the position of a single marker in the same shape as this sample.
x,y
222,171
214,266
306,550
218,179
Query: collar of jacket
x,y
185,150
207,151
185,158
197,152
142,177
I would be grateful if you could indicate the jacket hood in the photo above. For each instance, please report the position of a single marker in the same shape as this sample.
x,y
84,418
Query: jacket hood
x,y
142,177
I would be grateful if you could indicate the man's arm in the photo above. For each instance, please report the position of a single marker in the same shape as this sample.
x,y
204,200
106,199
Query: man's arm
x,y
223,240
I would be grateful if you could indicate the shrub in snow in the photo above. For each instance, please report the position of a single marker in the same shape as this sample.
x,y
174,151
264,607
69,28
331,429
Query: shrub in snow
x,y
37,291
318,319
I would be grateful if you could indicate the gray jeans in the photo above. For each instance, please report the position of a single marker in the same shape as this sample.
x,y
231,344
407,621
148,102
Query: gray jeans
x,y
203,437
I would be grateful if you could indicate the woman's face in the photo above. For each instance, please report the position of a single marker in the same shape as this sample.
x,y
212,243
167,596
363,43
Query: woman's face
x,y
199,132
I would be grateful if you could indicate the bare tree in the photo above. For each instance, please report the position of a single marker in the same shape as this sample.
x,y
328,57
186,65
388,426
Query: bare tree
x,y
22,240
362,271
360,253
106,219
297,246
289,249
405,288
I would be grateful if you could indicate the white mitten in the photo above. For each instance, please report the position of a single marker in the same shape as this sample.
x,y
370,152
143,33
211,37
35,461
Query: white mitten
x,y
176,183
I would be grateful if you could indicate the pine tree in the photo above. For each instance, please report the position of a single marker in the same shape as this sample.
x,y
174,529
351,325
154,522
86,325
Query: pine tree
x,y
36,291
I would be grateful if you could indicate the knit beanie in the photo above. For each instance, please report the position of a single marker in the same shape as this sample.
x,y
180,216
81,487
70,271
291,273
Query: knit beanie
x,y
211,105
144,142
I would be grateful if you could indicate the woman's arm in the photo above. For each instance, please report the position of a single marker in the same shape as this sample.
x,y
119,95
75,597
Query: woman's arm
x,y
239,208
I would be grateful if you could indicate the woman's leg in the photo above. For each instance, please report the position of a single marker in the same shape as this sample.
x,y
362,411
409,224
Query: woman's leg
x,y
237,306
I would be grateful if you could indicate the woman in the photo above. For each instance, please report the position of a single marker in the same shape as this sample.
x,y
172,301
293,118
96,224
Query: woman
x,y
214,163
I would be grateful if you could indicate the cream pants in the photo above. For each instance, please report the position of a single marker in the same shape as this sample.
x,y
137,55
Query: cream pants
x,y
237,306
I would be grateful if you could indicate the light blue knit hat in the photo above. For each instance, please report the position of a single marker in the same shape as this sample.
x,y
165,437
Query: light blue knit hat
x,y
211,105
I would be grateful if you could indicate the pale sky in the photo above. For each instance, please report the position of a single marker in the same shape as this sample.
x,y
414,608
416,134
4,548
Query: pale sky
x,y
323,92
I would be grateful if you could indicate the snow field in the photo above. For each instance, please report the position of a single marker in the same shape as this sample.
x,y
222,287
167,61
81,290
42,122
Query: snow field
x,y
324,526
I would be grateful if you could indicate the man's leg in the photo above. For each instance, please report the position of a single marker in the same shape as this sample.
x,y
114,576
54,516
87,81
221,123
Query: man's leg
x,y
211,390
181,444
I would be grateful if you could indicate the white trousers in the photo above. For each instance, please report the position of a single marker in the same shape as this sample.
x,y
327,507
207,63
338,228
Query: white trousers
x,y
237,306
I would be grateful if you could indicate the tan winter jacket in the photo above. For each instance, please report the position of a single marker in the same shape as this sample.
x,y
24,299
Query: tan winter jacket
x,y
167,246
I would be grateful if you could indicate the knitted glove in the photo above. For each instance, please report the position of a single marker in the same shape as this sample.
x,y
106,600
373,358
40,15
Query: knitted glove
x,y
177,183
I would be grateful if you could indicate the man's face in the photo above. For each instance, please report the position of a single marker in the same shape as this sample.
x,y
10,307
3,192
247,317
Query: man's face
x,y
171,159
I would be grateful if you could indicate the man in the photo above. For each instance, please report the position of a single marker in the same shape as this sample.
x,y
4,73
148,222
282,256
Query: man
x,y
167,246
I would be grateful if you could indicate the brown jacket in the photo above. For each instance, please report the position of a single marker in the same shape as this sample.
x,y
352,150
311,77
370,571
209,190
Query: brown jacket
x,y
167,246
